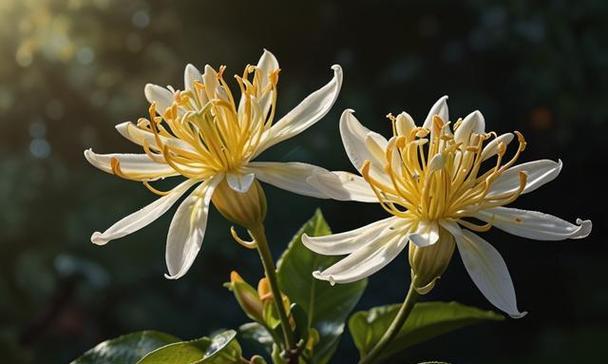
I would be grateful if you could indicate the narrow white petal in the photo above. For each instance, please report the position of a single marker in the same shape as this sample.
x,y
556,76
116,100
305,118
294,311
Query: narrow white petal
x,y
290,176
266,65
404,124
356,137
211,82
343,186
141,137
349,241
143,217
425,234
308,112
187,229
539,173
472,123
191,75
365,261
487,269
534,225
440,108
491,149
162,97
134,164
240,182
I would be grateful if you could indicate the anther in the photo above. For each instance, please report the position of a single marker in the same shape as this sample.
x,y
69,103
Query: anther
x,y
457,123
220,73
521,140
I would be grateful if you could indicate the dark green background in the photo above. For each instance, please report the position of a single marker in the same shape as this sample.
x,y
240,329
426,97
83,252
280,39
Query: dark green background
x,y
70,70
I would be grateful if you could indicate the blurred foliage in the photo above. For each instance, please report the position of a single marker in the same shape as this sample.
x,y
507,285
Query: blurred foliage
x,y
71,69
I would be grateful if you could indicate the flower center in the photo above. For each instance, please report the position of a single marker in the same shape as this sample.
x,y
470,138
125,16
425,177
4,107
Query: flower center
x,y
205,132
431,174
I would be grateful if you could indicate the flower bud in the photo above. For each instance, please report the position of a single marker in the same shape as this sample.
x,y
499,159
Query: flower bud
x,y
264,291
428,263
247,209
265,295
247,297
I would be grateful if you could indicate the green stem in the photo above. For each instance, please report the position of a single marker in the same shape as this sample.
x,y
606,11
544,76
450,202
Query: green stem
x,y
394,328
259,234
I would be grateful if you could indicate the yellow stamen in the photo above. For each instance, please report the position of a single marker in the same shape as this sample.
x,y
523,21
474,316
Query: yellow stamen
x,y
438,178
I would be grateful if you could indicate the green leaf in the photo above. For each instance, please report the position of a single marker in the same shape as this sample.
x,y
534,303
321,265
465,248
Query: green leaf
x,y
427,320
126,349
257,333
224,349
221,349
327,307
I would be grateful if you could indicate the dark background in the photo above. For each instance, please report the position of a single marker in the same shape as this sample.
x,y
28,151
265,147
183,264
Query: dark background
x,y
71,70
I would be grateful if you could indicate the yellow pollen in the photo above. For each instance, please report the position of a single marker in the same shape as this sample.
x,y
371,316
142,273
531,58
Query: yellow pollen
x,y
205,132
427,175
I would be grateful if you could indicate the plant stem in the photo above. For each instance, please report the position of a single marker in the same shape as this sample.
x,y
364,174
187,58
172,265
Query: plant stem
x,y
259,234
394,328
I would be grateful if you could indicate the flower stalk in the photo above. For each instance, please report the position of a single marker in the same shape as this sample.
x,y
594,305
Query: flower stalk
x,y
259,235
395,327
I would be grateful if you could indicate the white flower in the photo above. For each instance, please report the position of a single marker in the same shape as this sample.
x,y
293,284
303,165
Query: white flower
x,y
432,180
203,134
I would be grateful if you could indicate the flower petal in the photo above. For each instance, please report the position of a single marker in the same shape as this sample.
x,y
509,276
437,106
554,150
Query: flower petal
x,y
211,82
534,225
266,65
425,234
290,176
138,166
440,108
187,229
357,141
240,182
365,261
487,269
308,112
143,217
474,123
404,124
140,137
342,186
539,172
160,96
191,76
491,149
349,241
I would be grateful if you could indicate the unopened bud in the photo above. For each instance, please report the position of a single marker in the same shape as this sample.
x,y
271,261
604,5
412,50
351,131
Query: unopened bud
x,y
264,291
247,297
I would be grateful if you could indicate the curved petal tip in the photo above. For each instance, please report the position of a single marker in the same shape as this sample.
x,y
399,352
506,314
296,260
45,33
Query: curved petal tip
x,y
348,112
320,276
174,277
518,315
98,239
584,230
